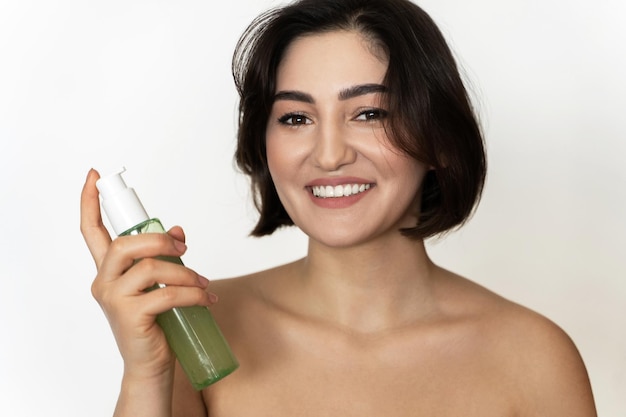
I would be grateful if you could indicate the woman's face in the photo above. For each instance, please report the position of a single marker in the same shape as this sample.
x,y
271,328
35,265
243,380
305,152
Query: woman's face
x,y
332,164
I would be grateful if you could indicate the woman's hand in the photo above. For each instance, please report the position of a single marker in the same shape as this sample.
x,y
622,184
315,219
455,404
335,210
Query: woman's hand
x,y
120,283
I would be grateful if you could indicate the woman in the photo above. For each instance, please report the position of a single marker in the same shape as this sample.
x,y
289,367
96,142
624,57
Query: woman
x,y
355,127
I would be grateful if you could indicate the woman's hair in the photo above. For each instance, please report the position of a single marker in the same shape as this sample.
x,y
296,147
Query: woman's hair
x,y
430,115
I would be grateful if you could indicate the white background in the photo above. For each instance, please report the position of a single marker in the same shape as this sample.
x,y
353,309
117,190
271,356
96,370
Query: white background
x,y
147,84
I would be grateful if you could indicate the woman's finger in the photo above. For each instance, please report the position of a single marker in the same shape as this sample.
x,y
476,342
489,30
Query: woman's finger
x,y
95,234
124,251
177,233
149,272
164,299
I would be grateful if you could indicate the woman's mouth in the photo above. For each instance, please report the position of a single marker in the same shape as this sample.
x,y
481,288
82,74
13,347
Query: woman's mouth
x,y
336,191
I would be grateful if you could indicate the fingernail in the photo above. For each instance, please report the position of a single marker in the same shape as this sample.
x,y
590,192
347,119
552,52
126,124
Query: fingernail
x,y
89,174
180,246
203,281
213,297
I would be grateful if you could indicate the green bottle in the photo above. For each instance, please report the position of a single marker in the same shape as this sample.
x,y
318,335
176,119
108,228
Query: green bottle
x,y
191,332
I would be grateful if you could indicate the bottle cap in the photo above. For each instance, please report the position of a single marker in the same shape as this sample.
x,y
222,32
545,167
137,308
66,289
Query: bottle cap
x,y
120,203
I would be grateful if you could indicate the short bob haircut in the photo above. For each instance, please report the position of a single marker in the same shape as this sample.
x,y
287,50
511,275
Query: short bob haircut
x,y
430,115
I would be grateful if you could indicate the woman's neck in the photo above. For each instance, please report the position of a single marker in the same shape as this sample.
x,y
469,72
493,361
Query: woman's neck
x,y
367,289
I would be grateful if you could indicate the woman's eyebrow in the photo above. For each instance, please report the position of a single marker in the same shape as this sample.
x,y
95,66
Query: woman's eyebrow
x,y
294,96
346,94
361,90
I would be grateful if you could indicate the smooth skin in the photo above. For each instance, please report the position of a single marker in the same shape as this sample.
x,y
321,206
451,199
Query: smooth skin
x,y
365,324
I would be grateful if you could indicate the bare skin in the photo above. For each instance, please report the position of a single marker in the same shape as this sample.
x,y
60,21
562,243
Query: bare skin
x,y
468,353
365,324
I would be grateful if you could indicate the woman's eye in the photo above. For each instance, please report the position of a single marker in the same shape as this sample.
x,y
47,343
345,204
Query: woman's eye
x,y
371,115
294,119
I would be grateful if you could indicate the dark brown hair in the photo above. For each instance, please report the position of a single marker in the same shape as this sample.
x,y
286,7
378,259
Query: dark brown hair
x,y
430,114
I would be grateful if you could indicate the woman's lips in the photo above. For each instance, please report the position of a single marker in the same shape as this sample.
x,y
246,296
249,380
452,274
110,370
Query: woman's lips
x,y
338,192
345,190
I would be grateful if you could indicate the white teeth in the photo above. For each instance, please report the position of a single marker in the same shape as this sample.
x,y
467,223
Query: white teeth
x,y
346,190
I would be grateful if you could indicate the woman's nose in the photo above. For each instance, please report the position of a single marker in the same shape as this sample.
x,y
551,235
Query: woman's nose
x,y
332,148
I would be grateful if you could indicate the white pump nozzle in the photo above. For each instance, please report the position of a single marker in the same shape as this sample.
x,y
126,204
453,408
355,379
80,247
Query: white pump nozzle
x,y
120,203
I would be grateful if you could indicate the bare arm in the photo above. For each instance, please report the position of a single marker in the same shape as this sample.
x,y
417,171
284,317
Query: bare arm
x,y
186,402
140,397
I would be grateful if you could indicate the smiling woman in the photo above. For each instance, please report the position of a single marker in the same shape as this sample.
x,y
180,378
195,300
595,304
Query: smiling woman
x,y
356,128
331,84
427,111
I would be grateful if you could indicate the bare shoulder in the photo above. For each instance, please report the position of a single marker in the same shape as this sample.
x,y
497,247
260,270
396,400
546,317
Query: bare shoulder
x,y
235,295
238,300
244,301
243,289
552,373
542,359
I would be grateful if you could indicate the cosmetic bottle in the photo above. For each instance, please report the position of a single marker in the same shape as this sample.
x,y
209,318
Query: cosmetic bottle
x,y
191,332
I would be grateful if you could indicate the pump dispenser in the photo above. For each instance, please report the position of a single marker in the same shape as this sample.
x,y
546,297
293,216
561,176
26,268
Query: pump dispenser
x,y
191,332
